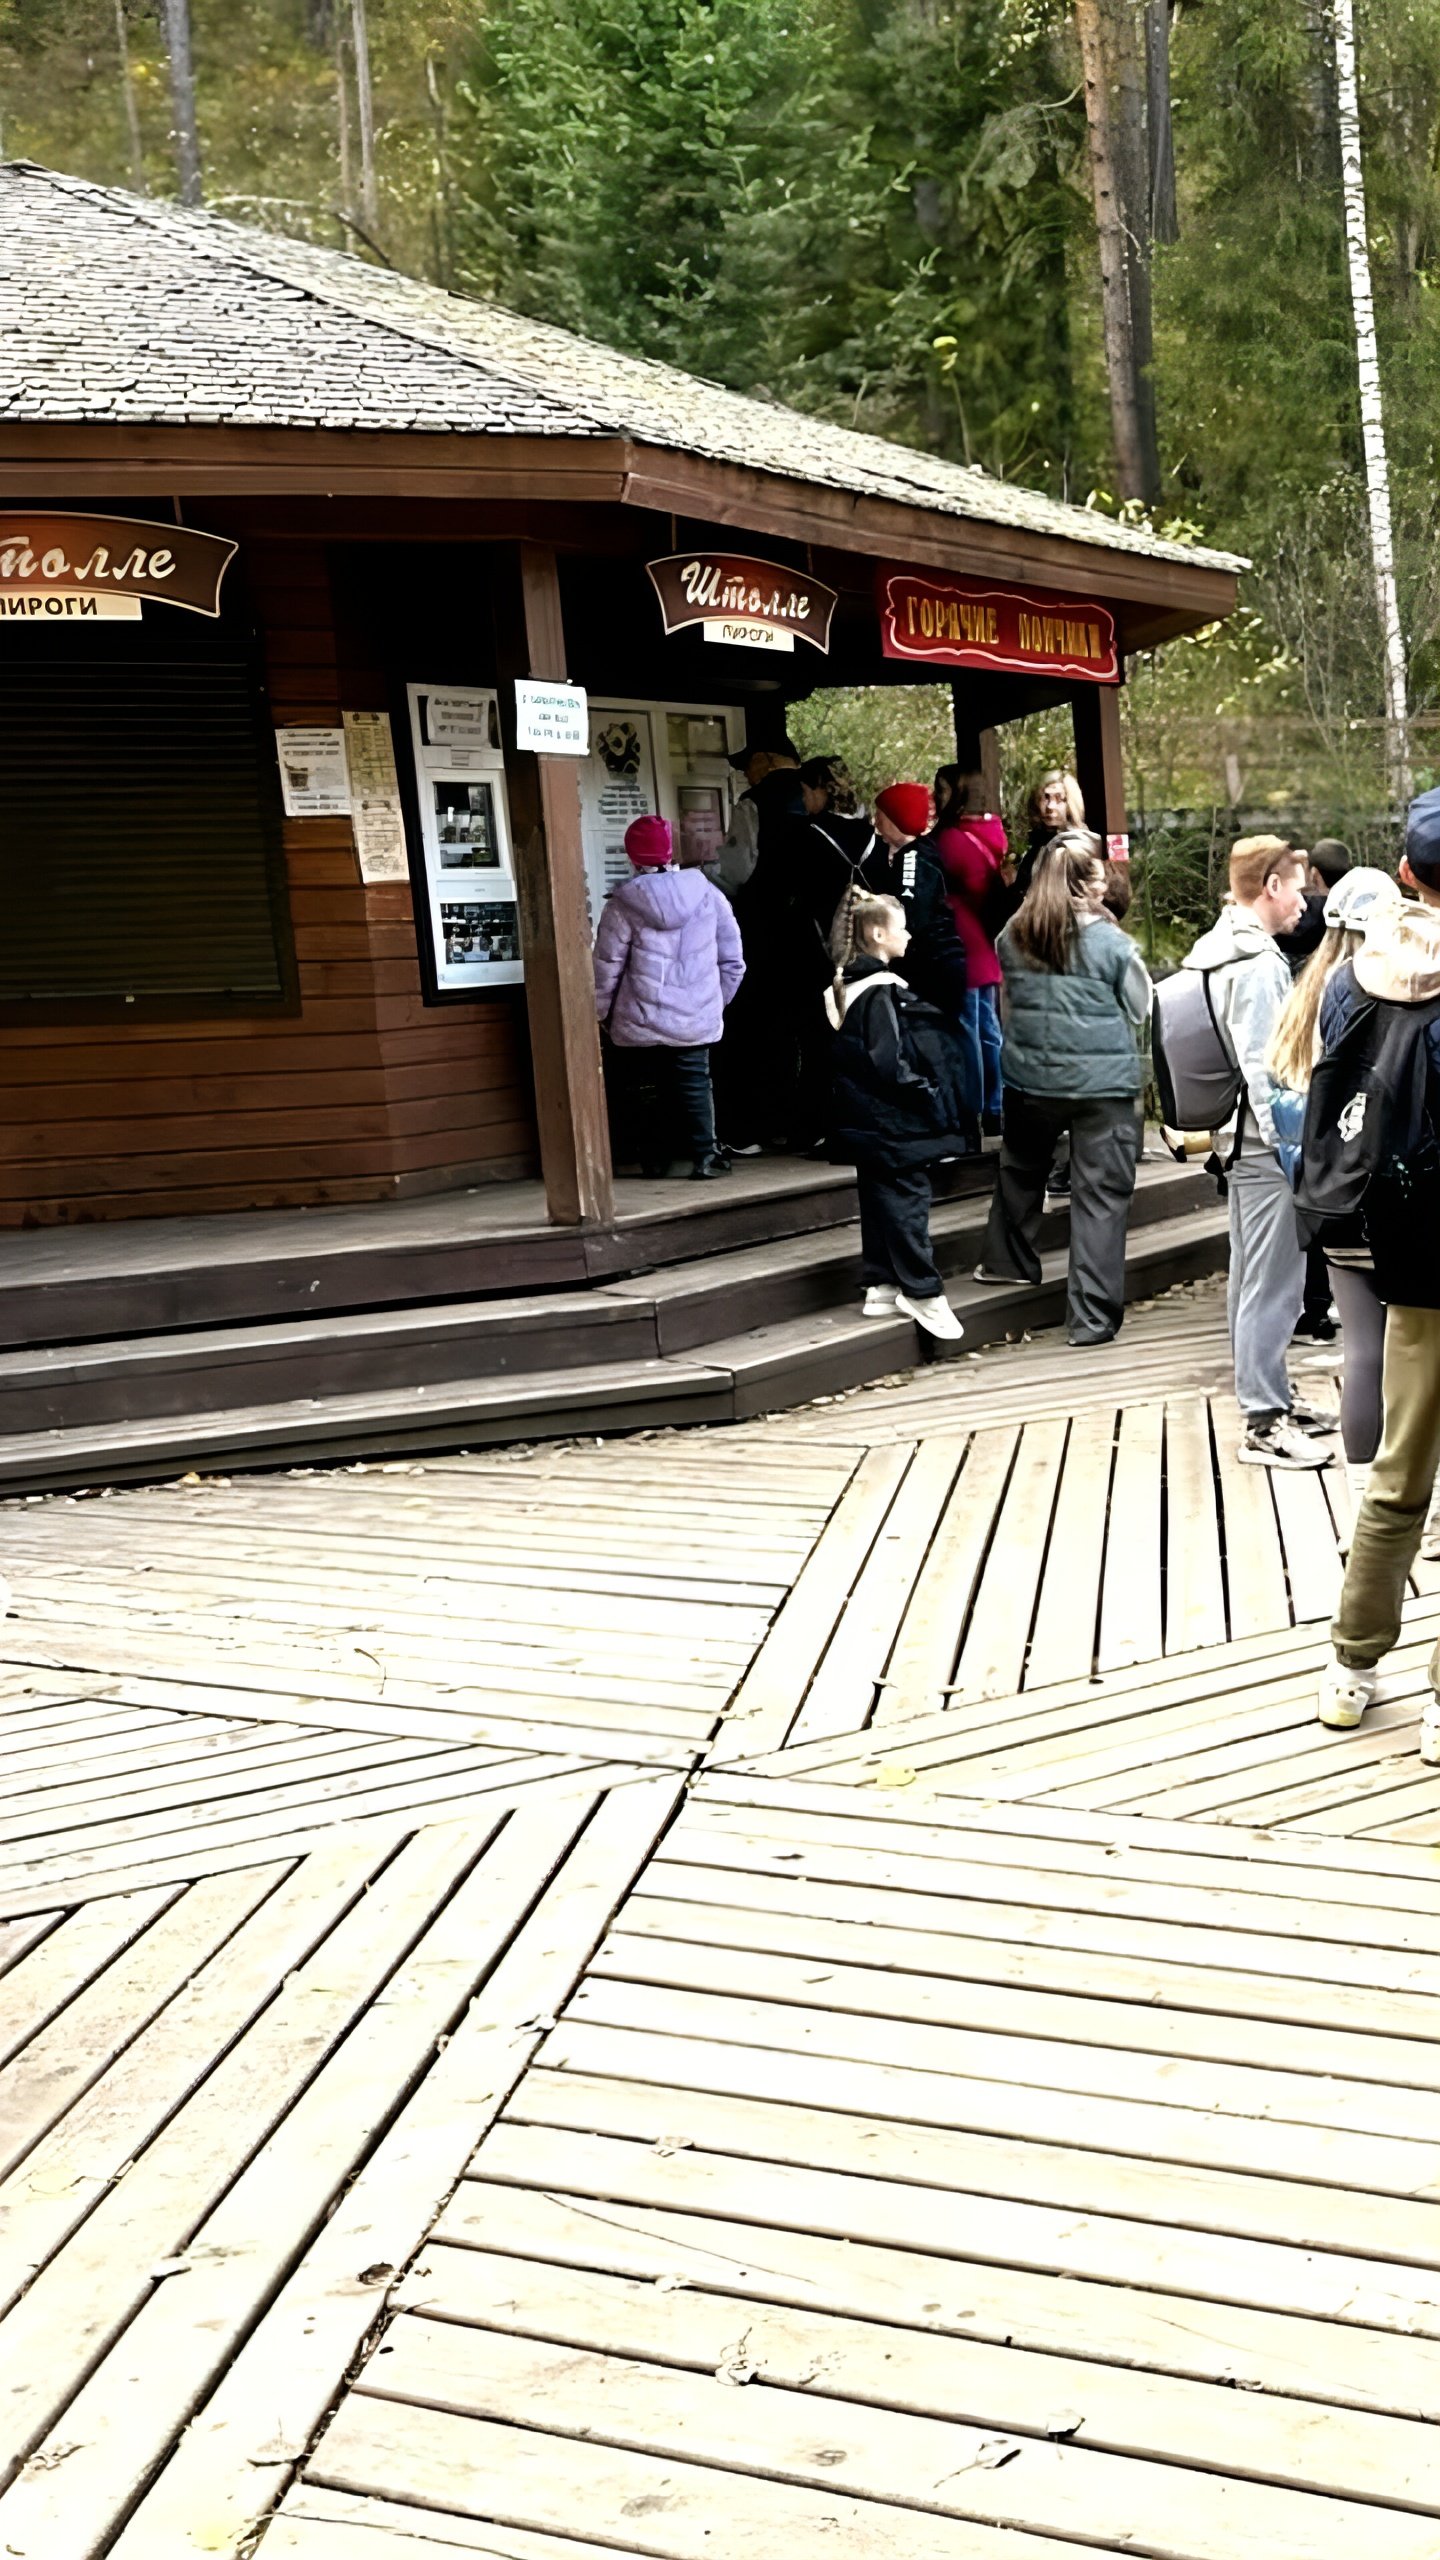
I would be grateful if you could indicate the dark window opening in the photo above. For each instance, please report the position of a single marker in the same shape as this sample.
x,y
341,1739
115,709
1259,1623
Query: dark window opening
x,y
141,869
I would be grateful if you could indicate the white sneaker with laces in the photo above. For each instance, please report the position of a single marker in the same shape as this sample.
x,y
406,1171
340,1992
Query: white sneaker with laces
x,y
1430,1734
1345,1693
881,1299
934,1315
1279,1444
1430,1534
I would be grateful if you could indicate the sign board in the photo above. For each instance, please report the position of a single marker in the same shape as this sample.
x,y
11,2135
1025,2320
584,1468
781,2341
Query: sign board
x,y
471,921
314,775
76,568
375,812
743,602
927,616
551,719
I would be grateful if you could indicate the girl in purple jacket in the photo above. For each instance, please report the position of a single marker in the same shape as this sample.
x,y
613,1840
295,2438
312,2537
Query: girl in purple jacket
x,y
667,962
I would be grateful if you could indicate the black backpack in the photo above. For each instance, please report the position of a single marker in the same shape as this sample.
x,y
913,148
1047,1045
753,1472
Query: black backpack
x,y
1370,1140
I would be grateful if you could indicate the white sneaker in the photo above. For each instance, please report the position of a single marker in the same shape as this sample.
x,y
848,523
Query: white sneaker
x,y
935,1315
1279,1444
881,1299
1430,1735
1430,1534
1345,1693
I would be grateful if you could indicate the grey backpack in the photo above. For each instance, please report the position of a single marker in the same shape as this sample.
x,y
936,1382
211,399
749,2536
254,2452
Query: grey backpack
x,y
1197,1079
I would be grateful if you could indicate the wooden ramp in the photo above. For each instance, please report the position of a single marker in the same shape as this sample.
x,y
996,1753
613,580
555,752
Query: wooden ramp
x,y
807,1990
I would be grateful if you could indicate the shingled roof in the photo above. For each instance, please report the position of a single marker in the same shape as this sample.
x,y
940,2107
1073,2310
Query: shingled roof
x,y
132,310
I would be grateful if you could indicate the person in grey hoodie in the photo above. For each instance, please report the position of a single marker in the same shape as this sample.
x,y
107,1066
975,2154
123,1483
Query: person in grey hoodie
x,y
1248,982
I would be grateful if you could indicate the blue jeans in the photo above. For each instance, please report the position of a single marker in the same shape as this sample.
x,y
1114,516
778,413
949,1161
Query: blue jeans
x,y
980,1014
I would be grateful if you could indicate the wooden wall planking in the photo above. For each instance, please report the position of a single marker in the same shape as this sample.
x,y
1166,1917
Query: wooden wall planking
x,y
367,1093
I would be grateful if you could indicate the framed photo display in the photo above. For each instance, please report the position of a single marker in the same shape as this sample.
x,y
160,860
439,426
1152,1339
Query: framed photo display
x,y
465,833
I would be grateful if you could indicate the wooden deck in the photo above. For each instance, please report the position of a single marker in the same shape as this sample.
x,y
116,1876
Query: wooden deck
x,y
808,1989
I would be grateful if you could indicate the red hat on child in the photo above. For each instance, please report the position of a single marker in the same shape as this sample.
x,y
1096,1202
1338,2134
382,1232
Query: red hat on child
x,y
907,806
647,841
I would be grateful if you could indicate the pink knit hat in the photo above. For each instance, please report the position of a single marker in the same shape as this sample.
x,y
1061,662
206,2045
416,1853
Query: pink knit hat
x,y
647,841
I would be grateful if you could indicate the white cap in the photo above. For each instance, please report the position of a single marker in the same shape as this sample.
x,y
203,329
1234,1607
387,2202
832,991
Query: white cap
x,y
1361,900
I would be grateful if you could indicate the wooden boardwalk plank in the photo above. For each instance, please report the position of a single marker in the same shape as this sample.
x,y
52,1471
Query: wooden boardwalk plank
x,y
1194,1570
770,1696
1131,1609
992,1656
1062,1643
842,1695
919,1675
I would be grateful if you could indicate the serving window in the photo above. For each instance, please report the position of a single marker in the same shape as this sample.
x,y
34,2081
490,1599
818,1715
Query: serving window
x,y
140,850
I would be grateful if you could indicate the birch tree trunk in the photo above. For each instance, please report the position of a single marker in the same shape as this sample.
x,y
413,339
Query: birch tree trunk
x,y
1120,232
184,130
1164,216
1372,414
342,129
132,112
365,101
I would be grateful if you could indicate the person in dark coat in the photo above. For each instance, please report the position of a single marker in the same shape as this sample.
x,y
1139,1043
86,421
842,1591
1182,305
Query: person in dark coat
x,y
756,1066
900,867
897,1107
1329,861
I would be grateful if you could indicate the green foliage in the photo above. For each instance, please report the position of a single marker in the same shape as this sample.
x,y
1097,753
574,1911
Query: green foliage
x,y
864,209
879,210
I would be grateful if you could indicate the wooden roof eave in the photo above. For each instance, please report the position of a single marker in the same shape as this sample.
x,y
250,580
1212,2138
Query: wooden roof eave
x,y
59,460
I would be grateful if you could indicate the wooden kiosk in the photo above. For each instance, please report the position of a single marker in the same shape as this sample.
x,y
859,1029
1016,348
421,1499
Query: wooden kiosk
x,y
294,918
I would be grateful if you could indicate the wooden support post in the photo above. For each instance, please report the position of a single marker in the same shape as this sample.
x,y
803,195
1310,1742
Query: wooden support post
x,y
1095,710
544,793
978,750
990,766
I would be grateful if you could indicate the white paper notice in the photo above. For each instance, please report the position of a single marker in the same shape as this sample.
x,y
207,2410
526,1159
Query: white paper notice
x,y
552,719
314,776
375,811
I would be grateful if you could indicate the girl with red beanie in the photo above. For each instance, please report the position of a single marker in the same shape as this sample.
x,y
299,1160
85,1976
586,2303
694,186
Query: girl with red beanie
x,y
970,846
667,962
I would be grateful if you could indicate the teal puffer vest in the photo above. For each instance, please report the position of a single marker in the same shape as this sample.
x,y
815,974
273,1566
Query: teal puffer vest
x,y
1070,1036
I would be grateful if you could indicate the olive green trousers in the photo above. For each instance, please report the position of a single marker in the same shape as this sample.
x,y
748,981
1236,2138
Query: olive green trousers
x,y
1388,1524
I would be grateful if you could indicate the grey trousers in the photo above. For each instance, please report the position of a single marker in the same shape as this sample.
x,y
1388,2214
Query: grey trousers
x,y
1267,1283
1102,1178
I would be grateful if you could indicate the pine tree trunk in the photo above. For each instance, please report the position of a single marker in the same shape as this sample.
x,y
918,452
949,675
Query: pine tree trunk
x,y
1124,277
365,100
1372,414
132,112
185,133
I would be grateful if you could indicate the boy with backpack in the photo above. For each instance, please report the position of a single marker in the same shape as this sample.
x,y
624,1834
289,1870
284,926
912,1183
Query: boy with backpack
x,y
1243,983
1371,1165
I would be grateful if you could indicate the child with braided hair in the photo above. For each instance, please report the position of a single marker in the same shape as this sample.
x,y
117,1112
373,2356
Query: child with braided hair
x,y
898,1106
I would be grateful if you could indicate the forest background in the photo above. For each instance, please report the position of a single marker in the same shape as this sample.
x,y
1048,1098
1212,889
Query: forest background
x,y
882,210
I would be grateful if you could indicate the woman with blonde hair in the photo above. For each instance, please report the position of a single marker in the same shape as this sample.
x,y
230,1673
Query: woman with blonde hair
x,y
1055,807
1360,905
1076,992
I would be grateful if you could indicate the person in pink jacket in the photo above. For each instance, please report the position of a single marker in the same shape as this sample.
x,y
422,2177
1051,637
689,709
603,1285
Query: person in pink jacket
x,y
667,962
969,844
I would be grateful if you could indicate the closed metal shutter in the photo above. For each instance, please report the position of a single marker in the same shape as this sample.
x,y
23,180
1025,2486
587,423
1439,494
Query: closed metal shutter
x,y
140,860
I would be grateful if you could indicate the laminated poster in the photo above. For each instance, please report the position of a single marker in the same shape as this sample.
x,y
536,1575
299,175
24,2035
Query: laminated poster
x,y
375,812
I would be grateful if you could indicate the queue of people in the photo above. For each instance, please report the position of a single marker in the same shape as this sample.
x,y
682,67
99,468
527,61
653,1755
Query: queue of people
x,y
882,987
